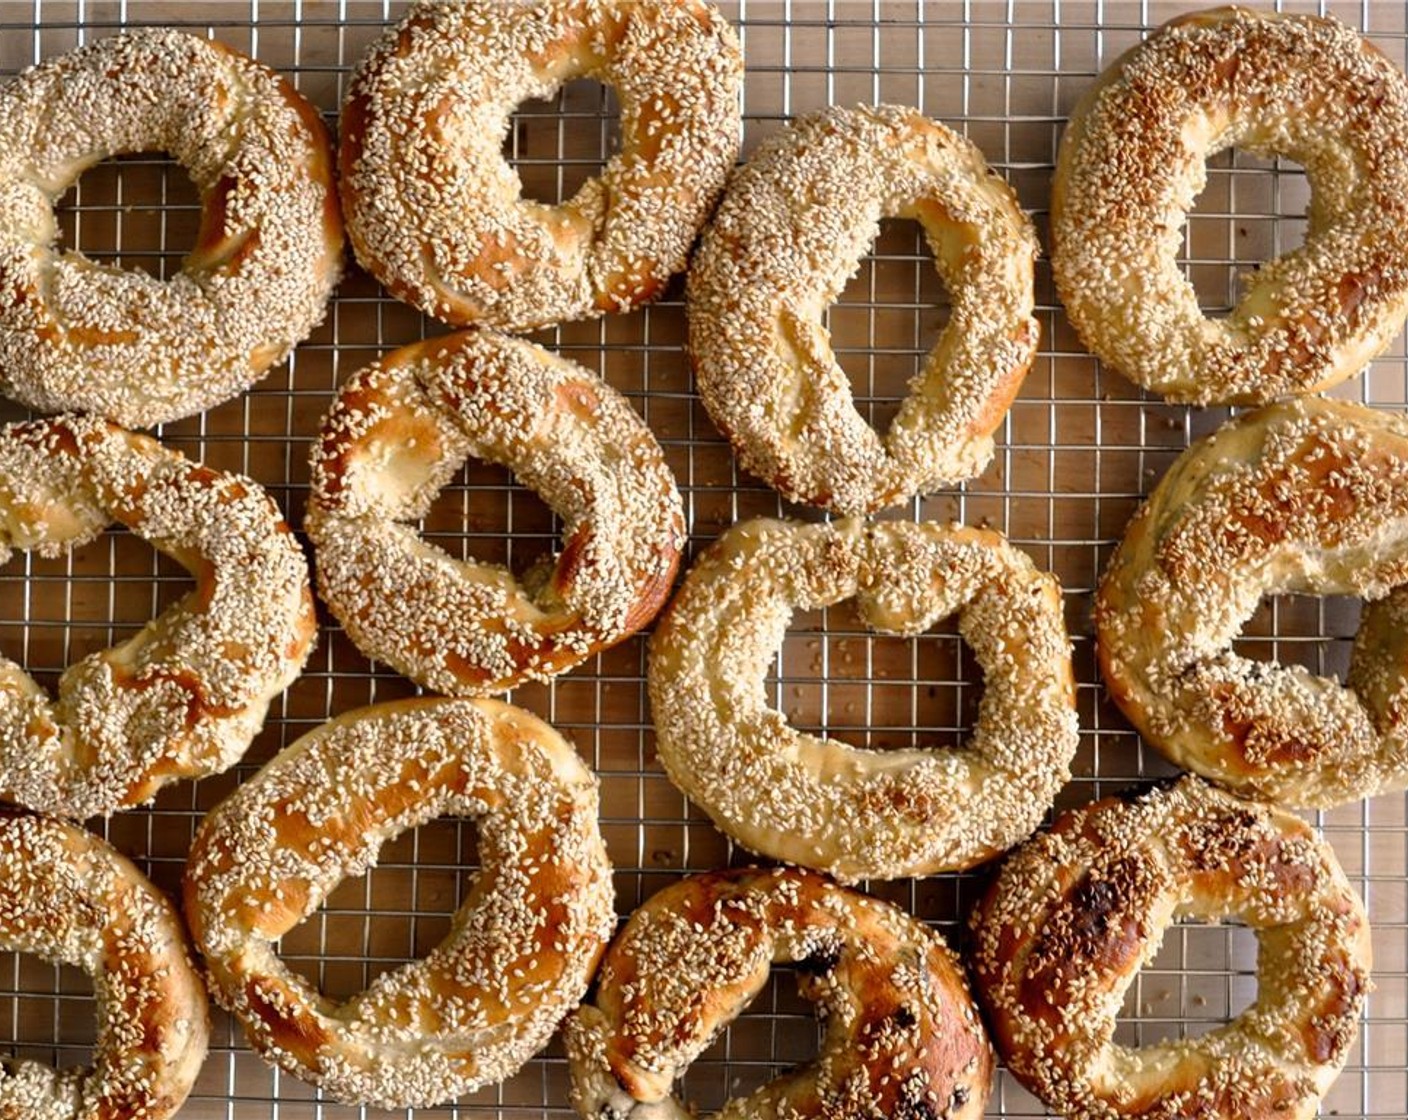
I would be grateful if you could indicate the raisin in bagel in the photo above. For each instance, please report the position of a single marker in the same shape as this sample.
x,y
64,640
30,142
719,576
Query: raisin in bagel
x,y
903,1038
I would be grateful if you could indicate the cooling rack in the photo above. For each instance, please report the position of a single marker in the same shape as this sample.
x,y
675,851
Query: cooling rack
x,y
1078,450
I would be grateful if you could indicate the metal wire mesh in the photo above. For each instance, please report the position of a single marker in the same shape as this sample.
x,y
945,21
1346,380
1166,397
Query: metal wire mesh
x,y
1078,450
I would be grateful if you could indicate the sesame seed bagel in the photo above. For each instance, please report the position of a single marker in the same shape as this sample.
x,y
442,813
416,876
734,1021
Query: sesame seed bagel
x,y
186,695
1132,162
793,227
437,214
520,951
818,802
398,432
79,335
1305,497
70,898
1075,913
903,1037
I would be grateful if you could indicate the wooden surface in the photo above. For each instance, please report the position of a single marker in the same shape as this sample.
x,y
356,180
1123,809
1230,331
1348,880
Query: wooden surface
x,y
1079,449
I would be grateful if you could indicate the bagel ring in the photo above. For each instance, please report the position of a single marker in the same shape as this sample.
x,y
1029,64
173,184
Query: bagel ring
x,y
435,212
397,433
1132,162
1074,913
793,227
184,697
903,1036
89,337
69,897
521,949
818,802
1307,497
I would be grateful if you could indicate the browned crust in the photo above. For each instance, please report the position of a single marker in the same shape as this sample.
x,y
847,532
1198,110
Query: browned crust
x,y
486,259
1308,497
520,950
399,428
1073,915
907,1044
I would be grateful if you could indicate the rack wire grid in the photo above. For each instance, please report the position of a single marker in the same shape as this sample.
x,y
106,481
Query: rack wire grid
x,y
1078,450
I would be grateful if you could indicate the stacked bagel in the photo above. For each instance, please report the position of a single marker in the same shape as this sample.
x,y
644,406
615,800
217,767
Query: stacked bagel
x,y
1301,495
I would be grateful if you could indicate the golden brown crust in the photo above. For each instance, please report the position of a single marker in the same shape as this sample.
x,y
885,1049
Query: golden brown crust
x,y
903,1036
423,127
185,696
79,335
1132,162
1075,912
520,951
1307,497
793,227
69,897
820,802
397,432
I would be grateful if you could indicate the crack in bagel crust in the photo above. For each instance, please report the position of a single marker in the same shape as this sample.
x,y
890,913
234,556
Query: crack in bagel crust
x,y
1132,162
903,1036
79,335
426,118
822,803
397,433
1306,497
795,224
69,897
1075,913
185,696
520,951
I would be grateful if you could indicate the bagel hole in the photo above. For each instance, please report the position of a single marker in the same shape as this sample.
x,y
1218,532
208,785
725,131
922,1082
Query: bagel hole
x,y
56,611
1251,211
137,212
485,516
839,678
49,1012
778,1031
558,143
1202,978
1315,633
887,318
393,914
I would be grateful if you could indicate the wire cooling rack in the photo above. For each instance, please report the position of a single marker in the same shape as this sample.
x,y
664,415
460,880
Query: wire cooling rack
x,y
1078,450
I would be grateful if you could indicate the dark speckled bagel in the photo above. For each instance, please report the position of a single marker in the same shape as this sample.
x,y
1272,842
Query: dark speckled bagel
x,y
1076,912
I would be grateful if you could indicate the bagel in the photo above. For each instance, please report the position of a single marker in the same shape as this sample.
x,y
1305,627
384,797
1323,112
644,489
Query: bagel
x,y
79,335
818,802
69,897
1074,913
793,227
436,214
1303,497
186,695
397,433
1131,164
903,1037
520,951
